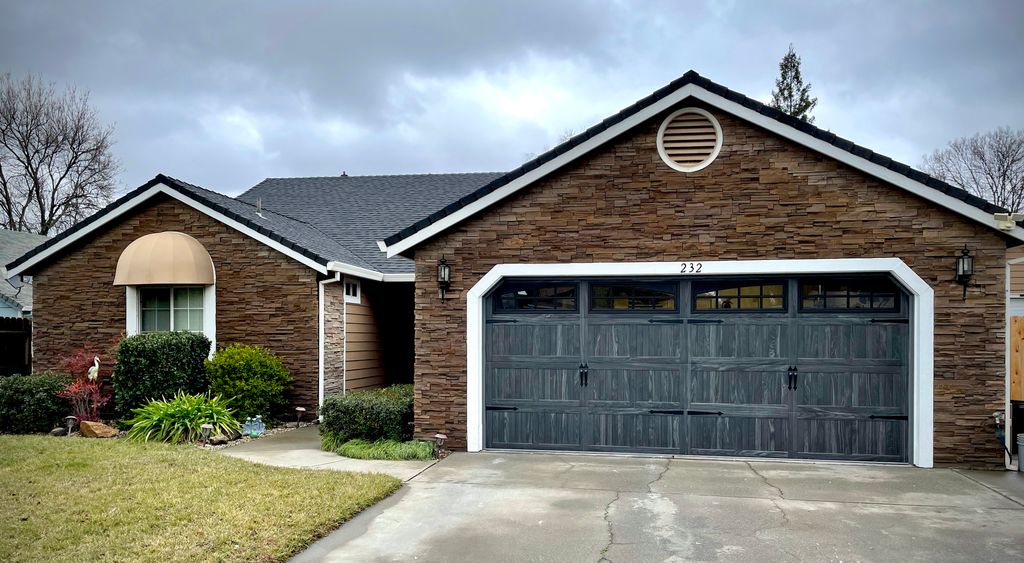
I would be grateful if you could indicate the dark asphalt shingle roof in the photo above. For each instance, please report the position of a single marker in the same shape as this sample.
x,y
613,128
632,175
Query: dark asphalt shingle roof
x,y
303,238
691,77
12,245
357,211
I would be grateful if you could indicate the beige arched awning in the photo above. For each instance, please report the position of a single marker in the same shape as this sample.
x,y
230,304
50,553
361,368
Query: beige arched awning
x,y
164,258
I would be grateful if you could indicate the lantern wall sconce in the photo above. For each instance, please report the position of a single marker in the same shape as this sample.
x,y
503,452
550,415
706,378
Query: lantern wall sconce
x,y
964,269
444,276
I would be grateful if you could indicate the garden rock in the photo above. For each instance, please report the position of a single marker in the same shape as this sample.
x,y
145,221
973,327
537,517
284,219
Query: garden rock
x,y
59,431
96,430
233,434
218,440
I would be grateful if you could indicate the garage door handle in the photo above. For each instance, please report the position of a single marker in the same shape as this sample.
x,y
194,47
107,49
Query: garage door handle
x,y
793,378
584,375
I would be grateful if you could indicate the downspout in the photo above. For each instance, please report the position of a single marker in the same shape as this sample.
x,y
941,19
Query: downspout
x,y
320,339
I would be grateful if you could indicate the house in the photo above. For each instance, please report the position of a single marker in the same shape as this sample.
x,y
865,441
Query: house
x,y
697,274
15,301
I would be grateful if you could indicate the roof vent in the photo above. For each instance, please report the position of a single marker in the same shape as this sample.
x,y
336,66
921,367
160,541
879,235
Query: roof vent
x,y
689,139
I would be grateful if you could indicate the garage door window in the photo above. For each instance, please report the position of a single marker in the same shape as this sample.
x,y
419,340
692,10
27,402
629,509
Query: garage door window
x,y
847,295
633,297
536,297
750,296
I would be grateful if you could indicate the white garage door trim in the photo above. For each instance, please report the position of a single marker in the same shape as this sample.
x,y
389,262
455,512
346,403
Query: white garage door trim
x,y
922,321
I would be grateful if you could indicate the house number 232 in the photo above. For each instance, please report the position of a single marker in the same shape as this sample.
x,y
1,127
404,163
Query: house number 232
x,y
691,267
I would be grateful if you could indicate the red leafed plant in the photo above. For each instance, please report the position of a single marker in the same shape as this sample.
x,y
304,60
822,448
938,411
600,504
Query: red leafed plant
x,y
86,398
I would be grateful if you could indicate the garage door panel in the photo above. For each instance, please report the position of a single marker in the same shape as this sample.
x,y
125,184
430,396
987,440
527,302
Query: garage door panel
x,y
639,341
642,432
739,436
738,387
534,385
552,340
880,341
533,429
634,388
852,389
852,438
729,339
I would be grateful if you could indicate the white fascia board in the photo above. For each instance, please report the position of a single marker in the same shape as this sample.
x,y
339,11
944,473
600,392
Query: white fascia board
x,y
163,189
728,106
922,323
348,269
372,275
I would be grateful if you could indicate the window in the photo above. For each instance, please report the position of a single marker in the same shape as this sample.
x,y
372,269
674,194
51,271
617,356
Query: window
x,y
171,308
866,295
536,297
352,293
742,296
633,297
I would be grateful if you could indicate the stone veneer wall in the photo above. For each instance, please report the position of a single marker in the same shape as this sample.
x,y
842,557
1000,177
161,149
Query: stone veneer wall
x,y
763,197
263,296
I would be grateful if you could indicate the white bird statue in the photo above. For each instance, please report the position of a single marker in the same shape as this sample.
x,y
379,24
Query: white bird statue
x,y
94,371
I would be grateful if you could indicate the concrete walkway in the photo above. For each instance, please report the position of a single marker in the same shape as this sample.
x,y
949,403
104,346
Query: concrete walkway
x,y
301,448
539,507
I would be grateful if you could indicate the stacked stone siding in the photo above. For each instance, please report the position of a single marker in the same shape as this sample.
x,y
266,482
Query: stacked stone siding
x,y
762,198
334,338
263,297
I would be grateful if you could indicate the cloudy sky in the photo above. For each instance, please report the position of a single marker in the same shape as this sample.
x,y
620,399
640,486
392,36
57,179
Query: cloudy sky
x,y
226,93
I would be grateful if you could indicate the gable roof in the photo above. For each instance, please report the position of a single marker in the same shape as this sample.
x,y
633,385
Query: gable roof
x,y
294,238
12,245
357,211
693,85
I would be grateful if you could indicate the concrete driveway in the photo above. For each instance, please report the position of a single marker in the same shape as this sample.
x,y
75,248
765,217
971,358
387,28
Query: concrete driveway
x,y
538,507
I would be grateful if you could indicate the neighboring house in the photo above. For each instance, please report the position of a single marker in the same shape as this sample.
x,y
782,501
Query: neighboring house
x,y
697,274
15,301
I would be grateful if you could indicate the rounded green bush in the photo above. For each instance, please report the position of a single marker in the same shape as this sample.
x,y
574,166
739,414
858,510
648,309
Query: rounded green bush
x,y
254,378
181,419
29,403
158,365
380,414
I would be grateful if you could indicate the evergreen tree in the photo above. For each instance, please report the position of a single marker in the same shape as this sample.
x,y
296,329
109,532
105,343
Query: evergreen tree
x,y
791,95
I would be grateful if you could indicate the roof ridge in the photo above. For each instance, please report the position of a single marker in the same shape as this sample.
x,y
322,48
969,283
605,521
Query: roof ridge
x,y
404,175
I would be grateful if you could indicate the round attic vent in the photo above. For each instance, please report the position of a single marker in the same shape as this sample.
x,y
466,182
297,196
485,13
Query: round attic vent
x,y
689,139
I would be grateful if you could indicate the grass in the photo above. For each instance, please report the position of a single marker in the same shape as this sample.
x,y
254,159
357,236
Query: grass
x,y
68,499
386,449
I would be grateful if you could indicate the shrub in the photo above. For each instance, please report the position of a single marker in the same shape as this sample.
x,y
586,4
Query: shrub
x,y
383,449
30,403
77,364
181,419
380,414
159,365
86,398
254,378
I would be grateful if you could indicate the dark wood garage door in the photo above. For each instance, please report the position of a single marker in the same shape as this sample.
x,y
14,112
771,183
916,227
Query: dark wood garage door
x,y
769,367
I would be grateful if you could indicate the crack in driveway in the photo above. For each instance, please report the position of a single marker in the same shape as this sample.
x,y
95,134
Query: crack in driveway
x,y
774,501
611,532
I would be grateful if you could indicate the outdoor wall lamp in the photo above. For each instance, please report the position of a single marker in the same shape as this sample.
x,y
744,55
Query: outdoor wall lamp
x,y
964,269
444,276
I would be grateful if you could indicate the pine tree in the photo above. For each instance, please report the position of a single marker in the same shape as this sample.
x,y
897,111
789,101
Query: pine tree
x,y
790,94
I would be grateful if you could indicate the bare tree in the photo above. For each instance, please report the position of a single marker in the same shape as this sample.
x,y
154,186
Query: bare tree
x,y
990,166
56,165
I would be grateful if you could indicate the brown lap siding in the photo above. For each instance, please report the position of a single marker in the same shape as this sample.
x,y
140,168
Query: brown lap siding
x,y
263,297
762,198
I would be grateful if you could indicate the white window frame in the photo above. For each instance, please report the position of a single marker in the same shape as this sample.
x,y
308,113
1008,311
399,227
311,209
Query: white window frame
x,y
133,311
358,297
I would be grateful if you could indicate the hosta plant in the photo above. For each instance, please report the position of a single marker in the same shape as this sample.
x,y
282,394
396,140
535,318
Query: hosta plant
x,y
181,419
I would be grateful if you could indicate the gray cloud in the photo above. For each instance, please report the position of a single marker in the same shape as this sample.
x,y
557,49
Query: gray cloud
x,y
226,93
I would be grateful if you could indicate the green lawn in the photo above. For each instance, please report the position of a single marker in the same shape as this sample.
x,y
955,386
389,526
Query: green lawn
x,y
67,499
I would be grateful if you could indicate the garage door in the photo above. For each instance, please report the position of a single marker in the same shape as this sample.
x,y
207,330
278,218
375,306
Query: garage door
x,y
813,368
